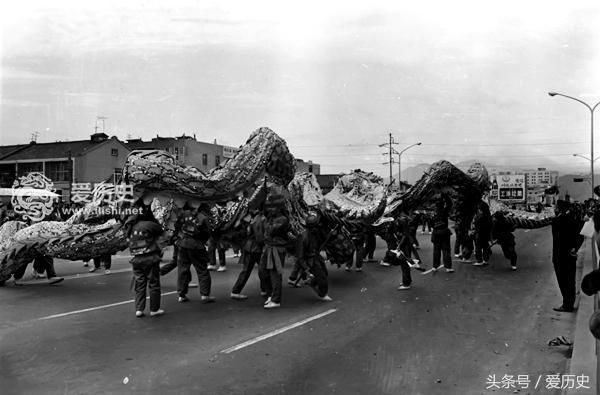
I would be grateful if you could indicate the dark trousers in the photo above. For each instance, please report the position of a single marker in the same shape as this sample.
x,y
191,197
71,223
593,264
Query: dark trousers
x,y
146,275
105,260
360,255
442,247
482,250
508,249
168,267
214,249
187,257
249,259
270,279
319,281
297,271
370,246
41,264
565,274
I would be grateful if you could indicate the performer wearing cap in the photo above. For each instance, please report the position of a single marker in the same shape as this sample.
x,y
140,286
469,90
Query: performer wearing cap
x,y
143,245
272,260
309,256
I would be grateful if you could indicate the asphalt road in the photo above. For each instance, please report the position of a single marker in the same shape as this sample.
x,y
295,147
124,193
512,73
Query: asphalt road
x,y
447,335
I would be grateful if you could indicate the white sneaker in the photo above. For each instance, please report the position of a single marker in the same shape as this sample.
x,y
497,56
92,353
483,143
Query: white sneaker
x,y
207,299
457,255
212,267
272,305
403,287
513,268
107,271
238,296
267,301
348,269
479,263
449,270
358,269
222,269
139,313
182,299
157,313
382,263
325,298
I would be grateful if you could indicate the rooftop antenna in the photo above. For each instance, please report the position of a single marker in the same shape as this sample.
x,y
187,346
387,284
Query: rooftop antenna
x,y
34,136
100,118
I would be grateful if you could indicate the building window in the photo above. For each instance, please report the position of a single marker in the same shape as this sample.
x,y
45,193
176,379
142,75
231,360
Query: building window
x,y
310,168
58,171
217,160
114,152
32,167
7,175
205,159
167,149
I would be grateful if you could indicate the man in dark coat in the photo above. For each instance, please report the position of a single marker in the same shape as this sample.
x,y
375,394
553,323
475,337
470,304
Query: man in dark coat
x,y
309,256
251,253
277,226
482,229
144,246
440,237
565,243
195,232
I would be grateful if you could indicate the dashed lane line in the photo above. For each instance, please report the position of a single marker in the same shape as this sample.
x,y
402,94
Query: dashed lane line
x,y
276,332
49,317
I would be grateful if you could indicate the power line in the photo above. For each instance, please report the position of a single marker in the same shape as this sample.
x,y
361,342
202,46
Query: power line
x,y
445,144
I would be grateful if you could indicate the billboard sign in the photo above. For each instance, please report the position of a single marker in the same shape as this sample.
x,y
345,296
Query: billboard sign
x,y
511,188
229,152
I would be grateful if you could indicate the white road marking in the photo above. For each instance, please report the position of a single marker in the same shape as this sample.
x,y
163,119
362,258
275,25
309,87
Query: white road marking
x,y
276,332
97,308
100,272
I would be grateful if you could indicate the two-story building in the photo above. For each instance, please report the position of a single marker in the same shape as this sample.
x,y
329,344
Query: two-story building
x,y
97,159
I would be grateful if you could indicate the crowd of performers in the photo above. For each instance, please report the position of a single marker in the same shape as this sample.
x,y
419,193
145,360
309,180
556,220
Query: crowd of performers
x,y
267,242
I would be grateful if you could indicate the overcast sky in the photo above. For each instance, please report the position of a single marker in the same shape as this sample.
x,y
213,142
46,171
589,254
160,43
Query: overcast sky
x,y
468,79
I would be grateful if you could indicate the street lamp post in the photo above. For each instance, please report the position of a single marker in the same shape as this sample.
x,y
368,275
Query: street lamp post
x,y
591,130
400,163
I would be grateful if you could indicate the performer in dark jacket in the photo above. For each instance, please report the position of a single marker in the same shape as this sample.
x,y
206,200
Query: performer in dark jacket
x,y
195,232
440,237
309,247
277,226
565,243
502,234
251,253
143,245
482,229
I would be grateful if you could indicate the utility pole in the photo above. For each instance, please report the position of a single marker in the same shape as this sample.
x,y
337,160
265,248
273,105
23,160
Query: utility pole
x,y
391,150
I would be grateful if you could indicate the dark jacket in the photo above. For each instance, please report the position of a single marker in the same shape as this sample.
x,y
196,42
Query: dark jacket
x,y
255,239
276,231
195,231
565,238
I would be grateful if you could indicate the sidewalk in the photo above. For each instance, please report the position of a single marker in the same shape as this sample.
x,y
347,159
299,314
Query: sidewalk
x,y
584,360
